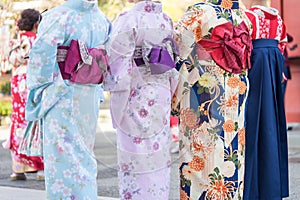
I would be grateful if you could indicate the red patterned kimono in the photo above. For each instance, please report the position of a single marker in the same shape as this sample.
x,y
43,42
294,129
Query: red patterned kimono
x,y
21,163
266,156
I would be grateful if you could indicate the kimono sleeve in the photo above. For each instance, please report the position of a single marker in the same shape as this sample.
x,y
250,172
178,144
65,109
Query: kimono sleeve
x,y
254,21
42,57
187,31
283,37
122,47
108,36
44,91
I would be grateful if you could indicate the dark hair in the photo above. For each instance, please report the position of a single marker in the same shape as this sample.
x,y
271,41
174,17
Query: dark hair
x,y
28,18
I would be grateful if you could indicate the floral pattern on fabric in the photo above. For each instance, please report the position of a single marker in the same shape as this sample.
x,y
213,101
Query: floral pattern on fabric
x,y
69,111
21,162
141,103
267,24
212,107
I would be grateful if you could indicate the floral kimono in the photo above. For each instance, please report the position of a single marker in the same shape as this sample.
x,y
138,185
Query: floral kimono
x,y
215,45
141,94
266,169
68,110
20,163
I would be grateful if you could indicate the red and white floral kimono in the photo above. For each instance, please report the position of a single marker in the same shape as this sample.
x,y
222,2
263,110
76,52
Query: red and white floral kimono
x,y
21,163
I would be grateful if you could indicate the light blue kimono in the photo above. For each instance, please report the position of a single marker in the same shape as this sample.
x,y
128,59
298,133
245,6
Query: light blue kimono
x,y
68,110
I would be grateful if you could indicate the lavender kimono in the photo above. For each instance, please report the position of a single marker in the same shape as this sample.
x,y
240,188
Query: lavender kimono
x,y
69,111
141,101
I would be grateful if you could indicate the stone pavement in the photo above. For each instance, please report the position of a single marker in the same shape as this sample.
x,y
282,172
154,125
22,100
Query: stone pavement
x,y
13,193
105,151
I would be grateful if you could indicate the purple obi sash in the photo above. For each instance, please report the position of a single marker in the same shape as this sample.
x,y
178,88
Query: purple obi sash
x,y
159,59
81,65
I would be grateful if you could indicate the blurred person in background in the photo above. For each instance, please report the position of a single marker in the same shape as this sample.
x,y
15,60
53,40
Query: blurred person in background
x,y
21,163
174,130
286,70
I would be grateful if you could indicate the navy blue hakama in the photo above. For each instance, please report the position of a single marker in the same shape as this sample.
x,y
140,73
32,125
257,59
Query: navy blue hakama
x,y
266,164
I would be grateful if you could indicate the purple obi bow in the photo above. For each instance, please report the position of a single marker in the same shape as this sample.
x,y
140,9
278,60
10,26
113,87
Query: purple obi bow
x,y
81,65
159,59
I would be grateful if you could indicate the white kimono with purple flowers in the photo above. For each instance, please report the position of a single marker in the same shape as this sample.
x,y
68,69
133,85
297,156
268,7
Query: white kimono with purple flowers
x,y
141,103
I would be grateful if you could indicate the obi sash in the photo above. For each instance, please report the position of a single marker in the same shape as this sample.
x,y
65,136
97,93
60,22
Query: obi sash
x,y
160,58
229,46
81,65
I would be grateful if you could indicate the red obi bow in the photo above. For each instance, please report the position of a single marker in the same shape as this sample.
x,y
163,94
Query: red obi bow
x,y
229,46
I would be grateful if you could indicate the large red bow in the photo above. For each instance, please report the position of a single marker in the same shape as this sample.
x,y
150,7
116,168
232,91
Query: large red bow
x,y
229,46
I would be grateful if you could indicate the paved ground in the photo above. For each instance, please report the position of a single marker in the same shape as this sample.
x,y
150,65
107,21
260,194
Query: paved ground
x,y
105,150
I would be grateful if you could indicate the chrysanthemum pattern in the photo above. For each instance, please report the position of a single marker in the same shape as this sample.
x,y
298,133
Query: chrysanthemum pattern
x,y
212,123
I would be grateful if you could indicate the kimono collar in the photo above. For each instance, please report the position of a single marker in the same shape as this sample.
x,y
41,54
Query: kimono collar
x,y
227,4
29,34
271,11
148,6
83,5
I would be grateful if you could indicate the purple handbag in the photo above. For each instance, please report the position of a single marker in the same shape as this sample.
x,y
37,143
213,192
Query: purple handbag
x,y
82,65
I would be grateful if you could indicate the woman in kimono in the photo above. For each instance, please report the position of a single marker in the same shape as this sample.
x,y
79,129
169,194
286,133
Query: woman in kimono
x,y
214,44
142,80
266,169
65,92
21,163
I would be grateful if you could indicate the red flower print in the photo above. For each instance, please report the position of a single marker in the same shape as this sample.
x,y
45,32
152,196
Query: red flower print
x,y
137,140
127,196
151,102
124,168
133,93
155,146
143,113
148,8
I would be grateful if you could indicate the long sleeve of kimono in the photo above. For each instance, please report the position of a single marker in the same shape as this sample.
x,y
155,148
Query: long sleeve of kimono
x,y
184,33
283,37
122,46
42,67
